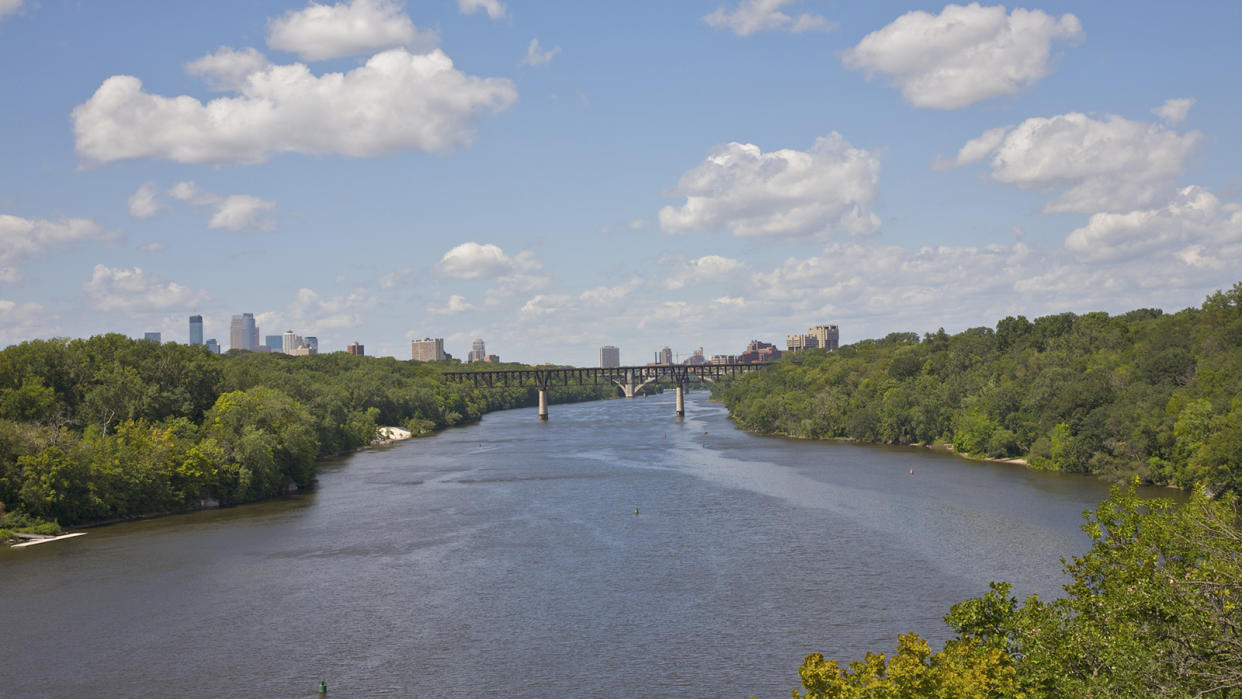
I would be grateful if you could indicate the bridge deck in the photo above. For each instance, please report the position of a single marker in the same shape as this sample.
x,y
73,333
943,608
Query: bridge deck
x,y
581,376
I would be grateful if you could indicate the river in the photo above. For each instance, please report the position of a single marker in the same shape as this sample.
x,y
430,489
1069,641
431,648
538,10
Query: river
x,y
613,551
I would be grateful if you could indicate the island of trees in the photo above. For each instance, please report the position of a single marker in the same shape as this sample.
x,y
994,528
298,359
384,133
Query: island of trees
x,y
111,428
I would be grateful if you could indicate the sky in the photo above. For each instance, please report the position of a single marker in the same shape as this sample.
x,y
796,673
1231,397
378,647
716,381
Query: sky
x,y
557,176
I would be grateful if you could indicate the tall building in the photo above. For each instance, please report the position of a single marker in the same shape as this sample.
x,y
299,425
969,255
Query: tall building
x,y
821,336
664,356
153,337
243,333
609,356
212,346
290,342
311,343
275,343
427,349
696,359
478,352
356,349
196,330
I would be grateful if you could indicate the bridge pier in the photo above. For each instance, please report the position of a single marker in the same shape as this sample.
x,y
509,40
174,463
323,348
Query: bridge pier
x,y
681,400
543,404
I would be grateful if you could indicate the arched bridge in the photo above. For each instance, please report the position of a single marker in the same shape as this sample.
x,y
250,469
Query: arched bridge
x,y
628,378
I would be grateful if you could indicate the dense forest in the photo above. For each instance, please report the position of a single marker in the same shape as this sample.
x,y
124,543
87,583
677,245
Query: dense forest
x,y
109,427
1142,394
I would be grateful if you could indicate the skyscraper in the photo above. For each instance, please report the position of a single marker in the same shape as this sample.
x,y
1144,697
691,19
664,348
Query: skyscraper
x,y
153,337
664,356
356,349
275,343
196,330
427,349
290,342
212,346
242,332
478,352
609,356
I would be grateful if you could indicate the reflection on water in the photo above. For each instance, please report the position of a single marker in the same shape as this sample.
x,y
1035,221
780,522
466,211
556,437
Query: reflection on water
x,y
507,558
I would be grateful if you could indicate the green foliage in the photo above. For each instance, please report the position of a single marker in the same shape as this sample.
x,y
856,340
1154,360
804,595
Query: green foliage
x,y
1142,394
1153,609
108,427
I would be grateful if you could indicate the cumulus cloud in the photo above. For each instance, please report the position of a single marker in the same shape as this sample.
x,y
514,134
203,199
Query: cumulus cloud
x,y
790,193
24,321
394,278
396,101
546,304
234,212
1174,111
226,70
709,268
21,238
963,55
144,203
751,16
607,295
132,290
318,32
494,8
1103,165
455,304
474,261
1196,226
311,311
536,56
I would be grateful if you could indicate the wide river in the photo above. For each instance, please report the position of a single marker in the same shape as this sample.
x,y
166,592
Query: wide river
x,y
611,552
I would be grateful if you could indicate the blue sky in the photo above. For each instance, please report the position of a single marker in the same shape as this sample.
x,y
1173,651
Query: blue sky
x,y
554,177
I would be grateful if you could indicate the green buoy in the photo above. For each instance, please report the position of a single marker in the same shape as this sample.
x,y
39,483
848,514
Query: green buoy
x,y
323,687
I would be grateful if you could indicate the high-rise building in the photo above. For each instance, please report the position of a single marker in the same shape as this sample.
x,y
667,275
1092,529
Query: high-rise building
x,y
212,346
478,352
609,356
196,330
275,343
243,333
311,343
153,337
664,356
427,349
290,342
356,349
821,336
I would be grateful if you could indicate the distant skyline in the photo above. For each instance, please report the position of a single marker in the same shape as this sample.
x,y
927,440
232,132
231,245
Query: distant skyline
x,y
559,176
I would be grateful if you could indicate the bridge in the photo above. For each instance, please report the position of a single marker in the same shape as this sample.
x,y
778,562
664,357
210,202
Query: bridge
x,y
628,378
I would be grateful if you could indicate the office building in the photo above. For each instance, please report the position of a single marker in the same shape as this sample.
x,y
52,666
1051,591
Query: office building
x,y
356,349
664,356
274,343
609,356
289,342
696,358
427,350
196,330
758,352
153,337
821,337
212,346
243,333
311,343
478,353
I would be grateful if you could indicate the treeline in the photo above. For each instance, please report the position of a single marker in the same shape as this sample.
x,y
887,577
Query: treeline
x,y
1142,394
1152,610
109,427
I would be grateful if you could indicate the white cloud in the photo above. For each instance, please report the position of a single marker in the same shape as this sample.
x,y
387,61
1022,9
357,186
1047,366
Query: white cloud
x,y
394,278
312,312
456,304
144,203
396,101
227,69
474,261
608,295
709,268
536,56
1196,226
22,237
1103,165
789,193
963,55
9,7
751,16
1174,111
132,290
155,246
494,8
24,321
234,212
353,28
639,224
543,305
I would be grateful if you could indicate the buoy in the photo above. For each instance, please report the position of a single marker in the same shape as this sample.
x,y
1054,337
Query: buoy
x,y
635,510
911,472
323,687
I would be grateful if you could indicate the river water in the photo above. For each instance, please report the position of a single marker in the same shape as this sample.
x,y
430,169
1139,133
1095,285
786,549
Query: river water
x,y
507,559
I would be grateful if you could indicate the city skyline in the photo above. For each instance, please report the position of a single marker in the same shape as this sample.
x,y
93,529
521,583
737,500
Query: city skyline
x,y
556,177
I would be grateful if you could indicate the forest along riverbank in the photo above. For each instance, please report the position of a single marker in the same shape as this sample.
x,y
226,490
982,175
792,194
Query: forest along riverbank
x,y
495,553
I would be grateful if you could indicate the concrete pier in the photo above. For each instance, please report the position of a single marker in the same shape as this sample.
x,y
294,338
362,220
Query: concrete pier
x,y
543,405
681,400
